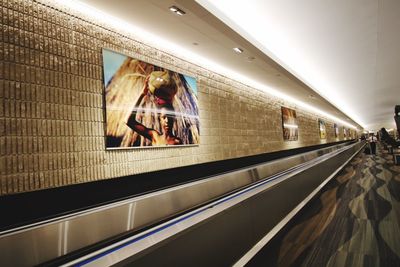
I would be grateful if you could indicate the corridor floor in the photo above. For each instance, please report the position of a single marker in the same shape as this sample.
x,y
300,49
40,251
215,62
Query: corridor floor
x,y
354,221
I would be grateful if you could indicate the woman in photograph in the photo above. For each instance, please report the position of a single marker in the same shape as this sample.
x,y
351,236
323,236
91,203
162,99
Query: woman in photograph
x,y
159,84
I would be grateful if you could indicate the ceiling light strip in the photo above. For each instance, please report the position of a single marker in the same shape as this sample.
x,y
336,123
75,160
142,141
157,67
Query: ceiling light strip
x,y
102,18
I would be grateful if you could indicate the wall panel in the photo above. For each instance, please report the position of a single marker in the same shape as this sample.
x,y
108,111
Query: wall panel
x,y
52,121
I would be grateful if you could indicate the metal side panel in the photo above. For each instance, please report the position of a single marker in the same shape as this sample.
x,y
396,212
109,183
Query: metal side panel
x,y
48,240
33,247
84,231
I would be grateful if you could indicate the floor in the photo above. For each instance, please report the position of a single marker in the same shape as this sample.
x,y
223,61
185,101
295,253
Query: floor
x,y
354,221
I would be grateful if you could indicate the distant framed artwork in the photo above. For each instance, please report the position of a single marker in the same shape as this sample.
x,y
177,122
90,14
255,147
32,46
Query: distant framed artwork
x,y
322,129
336,130
289,124
344,133
147,105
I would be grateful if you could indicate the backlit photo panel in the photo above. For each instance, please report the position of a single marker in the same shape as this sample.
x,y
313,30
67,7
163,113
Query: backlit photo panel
x,y
289,124
322,129
336,130
147,105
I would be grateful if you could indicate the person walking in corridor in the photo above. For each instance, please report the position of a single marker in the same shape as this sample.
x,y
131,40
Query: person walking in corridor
x,y
372,143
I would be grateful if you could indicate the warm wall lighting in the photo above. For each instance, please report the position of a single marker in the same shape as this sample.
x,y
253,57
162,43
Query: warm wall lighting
x,y
138,33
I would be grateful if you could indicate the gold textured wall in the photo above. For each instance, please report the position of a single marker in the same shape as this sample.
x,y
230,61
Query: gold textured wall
x,y
52,120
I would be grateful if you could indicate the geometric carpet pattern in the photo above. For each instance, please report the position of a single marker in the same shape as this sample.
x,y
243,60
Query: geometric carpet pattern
x,y
353,221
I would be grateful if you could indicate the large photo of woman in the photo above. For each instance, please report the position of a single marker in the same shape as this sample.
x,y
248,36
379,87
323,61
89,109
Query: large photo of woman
x,y
336,130
148,106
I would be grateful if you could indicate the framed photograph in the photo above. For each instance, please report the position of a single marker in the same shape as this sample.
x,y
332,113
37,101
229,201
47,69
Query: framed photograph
x,y
322,129
289,124
352,134
336,130
147,105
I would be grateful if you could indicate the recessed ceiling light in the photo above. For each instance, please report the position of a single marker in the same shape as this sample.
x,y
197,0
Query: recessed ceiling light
x,y
238,50
177,10
250,59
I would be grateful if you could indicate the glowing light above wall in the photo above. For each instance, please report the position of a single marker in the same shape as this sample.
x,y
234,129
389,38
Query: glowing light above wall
x,y
102,18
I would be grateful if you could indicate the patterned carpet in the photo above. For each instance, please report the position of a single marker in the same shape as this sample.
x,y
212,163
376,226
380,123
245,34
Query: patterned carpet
x,y
354,221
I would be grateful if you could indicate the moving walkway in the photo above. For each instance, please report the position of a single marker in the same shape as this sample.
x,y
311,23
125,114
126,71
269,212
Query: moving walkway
x,y
189,223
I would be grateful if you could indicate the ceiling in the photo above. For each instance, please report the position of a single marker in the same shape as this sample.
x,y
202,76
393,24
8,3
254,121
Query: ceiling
x,y
346,51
